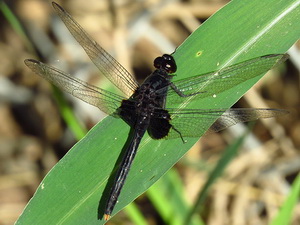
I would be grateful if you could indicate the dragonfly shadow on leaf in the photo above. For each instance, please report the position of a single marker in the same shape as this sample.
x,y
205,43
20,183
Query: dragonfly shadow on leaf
x,y
113,176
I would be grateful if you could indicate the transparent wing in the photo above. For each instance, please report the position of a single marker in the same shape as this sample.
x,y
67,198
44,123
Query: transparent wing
x,y
106,101
106,64
216,82
194,122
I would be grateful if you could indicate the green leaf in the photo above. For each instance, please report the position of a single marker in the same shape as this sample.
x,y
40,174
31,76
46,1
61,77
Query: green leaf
x,y
243,29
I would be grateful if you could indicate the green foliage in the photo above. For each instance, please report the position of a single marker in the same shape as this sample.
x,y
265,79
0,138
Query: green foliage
x,y
242,30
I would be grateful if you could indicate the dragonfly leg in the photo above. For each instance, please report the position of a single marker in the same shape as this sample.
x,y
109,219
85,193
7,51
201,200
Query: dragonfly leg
x,y
184,141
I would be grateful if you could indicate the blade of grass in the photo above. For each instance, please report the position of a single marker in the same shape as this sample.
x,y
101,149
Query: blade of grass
x,y
74,125
239,31
16,25
69,117
284,216
135,214
229,153
166,196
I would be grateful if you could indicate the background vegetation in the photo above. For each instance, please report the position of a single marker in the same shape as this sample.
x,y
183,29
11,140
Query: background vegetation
x,y
38,128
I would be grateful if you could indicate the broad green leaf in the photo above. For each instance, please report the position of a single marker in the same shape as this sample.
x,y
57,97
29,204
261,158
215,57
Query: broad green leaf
x,y
71,191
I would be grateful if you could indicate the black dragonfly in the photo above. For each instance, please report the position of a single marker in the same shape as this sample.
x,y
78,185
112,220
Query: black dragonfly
x,y
143,107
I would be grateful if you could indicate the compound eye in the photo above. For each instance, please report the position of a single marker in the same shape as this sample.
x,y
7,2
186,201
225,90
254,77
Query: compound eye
x,y
169,63
167,57
170,67
158,62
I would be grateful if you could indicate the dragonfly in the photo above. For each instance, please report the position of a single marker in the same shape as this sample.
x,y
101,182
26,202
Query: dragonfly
x,y
143,107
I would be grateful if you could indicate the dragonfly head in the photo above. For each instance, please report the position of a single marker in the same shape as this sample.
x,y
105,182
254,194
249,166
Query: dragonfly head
x,y
165,62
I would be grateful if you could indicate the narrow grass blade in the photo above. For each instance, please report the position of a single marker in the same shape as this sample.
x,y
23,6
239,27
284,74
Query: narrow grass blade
x,y
284,216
